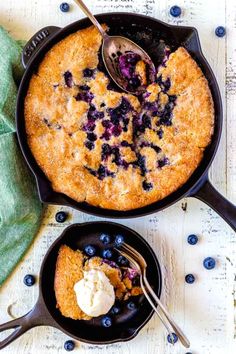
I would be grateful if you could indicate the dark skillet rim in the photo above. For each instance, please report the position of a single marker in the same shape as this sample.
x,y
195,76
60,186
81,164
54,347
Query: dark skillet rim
x,y
128,229
187,189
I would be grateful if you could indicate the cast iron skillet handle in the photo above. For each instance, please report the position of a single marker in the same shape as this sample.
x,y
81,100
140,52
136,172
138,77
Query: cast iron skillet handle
x,y
208,194
36,42
36,317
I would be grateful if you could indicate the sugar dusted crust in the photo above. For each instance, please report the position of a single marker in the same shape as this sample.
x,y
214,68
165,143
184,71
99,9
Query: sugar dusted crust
x,y
105,147
69,270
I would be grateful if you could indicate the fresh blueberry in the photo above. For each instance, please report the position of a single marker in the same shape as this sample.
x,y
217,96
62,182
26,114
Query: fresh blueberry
x,y
68,79
161,163
192,239
124,143
84,87
115,310
175,11
141,162
209,263
61,216
88,72
147,186
106,321
64,7
90,250
134,82
119,240
220,31
89,145
131,305
122,261
91,136
107,253
29,280
190,278
146,121
172,339
106,123
160,133
69,345
105,238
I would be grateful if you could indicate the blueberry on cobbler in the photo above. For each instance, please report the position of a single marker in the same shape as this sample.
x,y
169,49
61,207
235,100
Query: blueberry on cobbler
x,y
68,79
89,145
147,186
163,162
91,136
88,72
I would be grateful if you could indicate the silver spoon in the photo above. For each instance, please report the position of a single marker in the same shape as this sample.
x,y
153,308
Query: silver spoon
x,y
116,48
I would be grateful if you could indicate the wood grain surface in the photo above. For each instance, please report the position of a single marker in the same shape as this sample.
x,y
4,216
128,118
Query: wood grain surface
x,y
205,309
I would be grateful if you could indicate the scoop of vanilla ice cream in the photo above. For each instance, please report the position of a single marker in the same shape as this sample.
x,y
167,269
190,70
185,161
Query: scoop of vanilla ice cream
x,y
95,294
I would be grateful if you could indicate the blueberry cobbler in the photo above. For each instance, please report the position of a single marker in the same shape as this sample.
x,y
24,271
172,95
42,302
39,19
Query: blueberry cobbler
x,y
109,148
90,283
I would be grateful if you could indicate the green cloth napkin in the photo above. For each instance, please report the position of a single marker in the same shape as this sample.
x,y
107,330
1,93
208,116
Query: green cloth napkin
x,y
20,209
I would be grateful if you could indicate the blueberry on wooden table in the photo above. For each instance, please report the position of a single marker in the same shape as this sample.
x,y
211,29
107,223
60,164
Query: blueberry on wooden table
x,y
172,339
29,280
175,11
61,216
106,321
69,345
105,239
209,263
190,278
192,239
90,250
220,31
64,7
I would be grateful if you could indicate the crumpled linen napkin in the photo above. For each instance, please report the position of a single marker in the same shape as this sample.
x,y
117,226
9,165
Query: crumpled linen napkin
x,y
20,208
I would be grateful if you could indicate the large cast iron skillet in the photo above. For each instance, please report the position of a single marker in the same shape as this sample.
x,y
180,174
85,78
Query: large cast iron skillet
x,y
147,32
126,325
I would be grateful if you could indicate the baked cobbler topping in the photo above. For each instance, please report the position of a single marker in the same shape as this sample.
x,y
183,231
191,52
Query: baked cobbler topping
x,y
117,150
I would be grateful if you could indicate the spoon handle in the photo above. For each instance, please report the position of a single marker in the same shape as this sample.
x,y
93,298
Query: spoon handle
x,y
91,17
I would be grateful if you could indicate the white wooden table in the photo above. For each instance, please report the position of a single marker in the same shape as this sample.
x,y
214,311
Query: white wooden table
x,y
204,309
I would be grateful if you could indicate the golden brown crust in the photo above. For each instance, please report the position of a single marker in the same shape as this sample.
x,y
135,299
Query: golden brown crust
x,y
55,122
69,270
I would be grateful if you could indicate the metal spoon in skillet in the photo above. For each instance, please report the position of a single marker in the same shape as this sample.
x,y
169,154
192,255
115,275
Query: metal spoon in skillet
x,y
122,57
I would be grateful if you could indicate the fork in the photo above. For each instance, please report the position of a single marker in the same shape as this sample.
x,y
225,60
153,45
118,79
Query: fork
x,y
138,262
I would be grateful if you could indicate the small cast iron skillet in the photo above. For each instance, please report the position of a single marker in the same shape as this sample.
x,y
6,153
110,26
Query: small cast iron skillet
x,y
146,32
126,325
